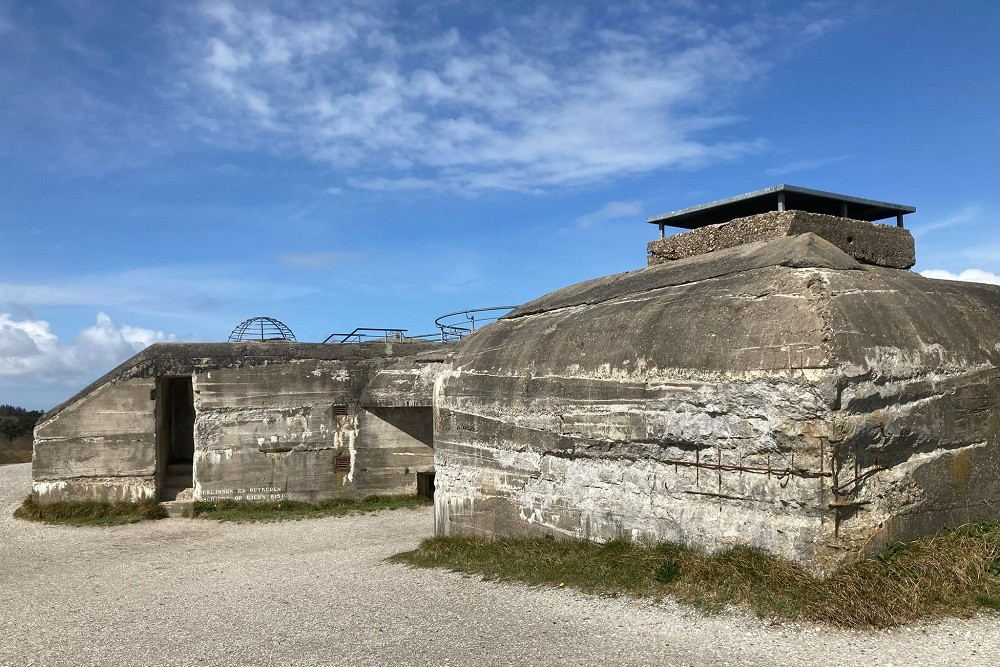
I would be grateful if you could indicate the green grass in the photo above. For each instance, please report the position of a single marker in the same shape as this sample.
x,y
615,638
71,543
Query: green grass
x,y
8,456
89,513
231,510
954,573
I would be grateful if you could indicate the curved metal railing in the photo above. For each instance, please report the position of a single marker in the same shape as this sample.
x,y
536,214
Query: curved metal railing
x,y
467,320
261,328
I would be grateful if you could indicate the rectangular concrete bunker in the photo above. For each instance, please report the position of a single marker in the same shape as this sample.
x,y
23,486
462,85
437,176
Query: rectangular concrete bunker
x,y
245,421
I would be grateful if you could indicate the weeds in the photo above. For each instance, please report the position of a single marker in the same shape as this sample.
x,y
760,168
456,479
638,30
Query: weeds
x,y
89,513
231,510
953,573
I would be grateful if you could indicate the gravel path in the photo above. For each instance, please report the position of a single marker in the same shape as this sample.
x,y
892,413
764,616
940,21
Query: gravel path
x,y
317,592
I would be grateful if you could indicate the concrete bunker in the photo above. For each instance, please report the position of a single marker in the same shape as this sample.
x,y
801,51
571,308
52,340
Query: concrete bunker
x,y
775,377
244,421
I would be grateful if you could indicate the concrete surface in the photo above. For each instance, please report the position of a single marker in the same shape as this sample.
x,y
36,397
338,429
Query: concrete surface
x,y
317,592
778,393
271,420
871,243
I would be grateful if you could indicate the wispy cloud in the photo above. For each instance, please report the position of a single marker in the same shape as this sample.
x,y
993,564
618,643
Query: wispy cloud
x,y
804,165
963,216
611,211
316,260
166,291
822,26
6,24
404,101
968,275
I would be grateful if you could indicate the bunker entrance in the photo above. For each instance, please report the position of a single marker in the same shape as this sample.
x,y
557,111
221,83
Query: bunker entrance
x,y
175,436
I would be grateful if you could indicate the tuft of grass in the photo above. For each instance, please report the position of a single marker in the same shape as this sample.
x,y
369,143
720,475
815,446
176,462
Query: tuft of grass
x,y
283,510
89,512
953,573
668,572
9,456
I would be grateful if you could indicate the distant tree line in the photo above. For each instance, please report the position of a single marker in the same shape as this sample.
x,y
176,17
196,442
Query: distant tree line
x,y
17,422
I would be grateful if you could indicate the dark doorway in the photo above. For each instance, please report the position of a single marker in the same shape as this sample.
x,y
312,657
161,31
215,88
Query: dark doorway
x,y
175,435
425,485
178,396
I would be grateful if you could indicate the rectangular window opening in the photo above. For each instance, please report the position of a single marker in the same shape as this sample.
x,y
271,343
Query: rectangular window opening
x,y
425,484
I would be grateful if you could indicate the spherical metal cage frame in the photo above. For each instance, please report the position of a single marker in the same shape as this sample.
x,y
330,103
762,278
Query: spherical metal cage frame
x,y
261,328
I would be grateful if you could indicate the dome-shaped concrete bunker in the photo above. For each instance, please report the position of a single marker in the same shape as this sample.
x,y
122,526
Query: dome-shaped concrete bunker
x,y
779,393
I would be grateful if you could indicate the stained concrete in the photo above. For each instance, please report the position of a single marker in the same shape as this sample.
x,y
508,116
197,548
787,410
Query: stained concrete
x,y
272,420
778,393
878,244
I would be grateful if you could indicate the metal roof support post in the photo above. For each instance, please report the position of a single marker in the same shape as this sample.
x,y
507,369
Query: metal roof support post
x,y
661,230
781,201
899,219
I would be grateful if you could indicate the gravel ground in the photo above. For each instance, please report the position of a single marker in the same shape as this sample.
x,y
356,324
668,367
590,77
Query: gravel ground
x,y
317,592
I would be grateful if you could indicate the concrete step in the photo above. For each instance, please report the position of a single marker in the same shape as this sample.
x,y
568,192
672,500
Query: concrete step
x,y
180,492
182,481
176,508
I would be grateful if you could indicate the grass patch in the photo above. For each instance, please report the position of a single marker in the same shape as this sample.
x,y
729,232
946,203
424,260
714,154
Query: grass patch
x,y
90,512
9,456
953,573
283,510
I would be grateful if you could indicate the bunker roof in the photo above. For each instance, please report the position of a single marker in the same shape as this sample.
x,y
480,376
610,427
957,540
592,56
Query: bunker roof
x,y
781,198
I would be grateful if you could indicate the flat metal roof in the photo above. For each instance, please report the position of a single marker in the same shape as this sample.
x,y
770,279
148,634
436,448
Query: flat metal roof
x,y
782,198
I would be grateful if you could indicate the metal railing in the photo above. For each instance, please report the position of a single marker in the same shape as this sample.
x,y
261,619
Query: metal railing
x,y
452,327
467,320
364,334
261,328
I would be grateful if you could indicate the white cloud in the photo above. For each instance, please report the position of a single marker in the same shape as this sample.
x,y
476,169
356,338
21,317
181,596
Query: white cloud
x,y
611,211
29,349
968,275
821,27
407,102
804,165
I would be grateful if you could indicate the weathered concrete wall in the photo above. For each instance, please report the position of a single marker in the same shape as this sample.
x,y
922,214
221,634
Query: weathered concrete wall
x,y
101,446
917,415
407,383
871,243
268,432
393,445
272,420
778,393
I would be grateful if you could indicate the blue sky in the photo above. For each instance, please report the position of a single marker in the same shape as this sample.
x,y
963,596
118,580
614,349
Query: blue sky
x,y
170,169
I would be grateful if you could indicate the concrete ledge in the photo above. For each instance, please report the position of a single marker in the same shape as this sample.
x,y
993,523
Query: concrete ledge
x,y
871,243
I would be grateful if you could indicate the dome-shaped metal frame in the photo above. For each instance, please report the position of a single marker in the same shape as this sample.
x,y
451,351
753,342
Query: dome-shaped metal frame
x,y
261,328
